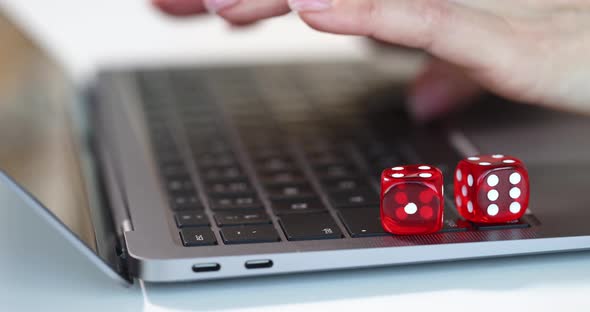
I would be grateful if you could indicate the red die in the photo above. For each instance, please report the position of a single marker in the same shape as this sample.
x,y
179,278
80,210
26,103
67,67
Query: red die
x,y
491,188
412,199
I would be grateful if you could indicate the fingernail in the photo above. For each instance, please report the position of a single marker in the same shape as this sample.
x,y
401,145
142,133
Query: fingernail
x,y
309,5
214,6
428,101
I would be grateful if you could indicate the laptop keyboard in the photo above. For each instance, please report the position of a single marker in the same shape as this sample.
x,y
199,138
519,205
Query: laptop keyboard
x,y
284,153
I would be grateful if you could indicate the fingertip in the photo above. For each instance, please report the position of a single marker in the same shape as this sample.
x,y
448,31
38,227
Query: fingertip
x,y
441,89
215,6
180,7
425,103
251,11
309,5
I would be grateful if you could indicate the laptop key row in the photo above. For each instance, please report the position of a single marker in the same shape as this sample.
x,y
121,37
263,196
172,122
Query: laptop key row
x,y
237,209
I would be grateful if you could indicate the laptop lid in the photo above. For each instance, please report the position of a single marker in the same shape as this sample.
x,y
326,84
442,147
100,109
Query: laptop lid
x,y
43,150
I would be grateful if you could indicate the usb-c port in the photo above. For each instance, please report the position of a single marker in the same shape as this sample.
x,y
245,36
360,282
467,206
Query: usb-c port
x,y
258,264
206,267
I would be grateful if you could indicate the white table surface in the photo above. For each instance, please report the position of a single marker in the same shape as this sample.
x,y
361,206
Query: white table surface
x,y
38,270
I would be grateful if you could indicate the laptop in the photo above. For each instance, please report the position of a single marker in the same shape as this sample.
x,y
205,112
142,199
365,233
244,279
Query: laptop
x,y
202,173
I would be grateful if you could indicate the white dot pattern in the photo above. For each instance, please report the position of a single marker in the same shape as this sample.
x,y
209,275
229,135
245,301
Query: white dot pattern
x,y
470,206
424,168
425,175
508,161
398,175
515,178
498,156
470,180
459,175
493,195
485,163
458,201
397,168
473,158
493,210
514,193
464,190
411,208
515,207
493,180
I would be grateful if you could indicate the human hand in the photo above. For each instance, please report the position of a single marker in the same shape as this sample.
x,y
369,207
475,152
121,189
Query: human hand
x,y
528,50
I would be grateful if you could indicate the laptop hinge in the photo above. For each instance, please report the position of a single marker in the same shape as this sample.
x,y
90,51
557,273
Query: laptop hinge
x,y
110,214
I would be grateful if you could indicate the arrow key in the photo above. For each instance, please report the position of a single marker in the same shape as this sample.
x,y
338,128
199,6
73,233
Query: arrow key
x,y
249,234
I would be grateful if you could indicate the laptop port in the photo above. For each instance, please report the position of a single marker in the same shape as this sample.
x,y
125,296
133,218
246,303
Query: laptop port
x,y
206,267
259,264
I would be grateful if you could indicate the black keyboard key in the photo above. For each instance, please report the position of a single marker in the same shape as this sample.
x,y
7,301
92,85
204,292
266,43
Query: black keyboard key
x,y
187,201
197,237
345,185
275,164
297,205
316,146
216,160
265,152
249,234
260,138
190,219
518,224
310,227
230,188
328,158
354,199
283,177
337,172
175,171
219,174
179,185
290,191
362,222
237,202
201,146
239,218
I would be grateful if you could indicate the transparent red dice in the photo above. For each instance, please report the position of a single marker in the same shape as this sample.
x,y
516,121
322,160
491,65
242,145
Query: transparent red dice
x,y
491,188
412,199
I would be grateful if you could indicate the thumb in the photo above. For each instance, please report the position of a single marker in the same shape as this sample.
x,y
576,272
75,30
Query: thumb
x,y
438,90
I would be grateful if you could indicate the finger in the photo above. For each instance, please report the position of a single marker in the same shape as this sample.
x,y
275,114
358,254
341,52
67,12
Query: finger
x,y
463,36
440,89
248,11
180,7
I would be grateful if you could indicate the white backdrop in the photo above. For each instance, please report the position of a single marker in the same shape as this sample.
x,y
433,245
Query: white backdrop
x,y
84,34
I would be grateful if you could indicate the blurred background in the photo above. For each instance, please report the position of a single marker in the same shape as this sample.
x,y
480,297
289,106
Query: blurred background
x,y
85,35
